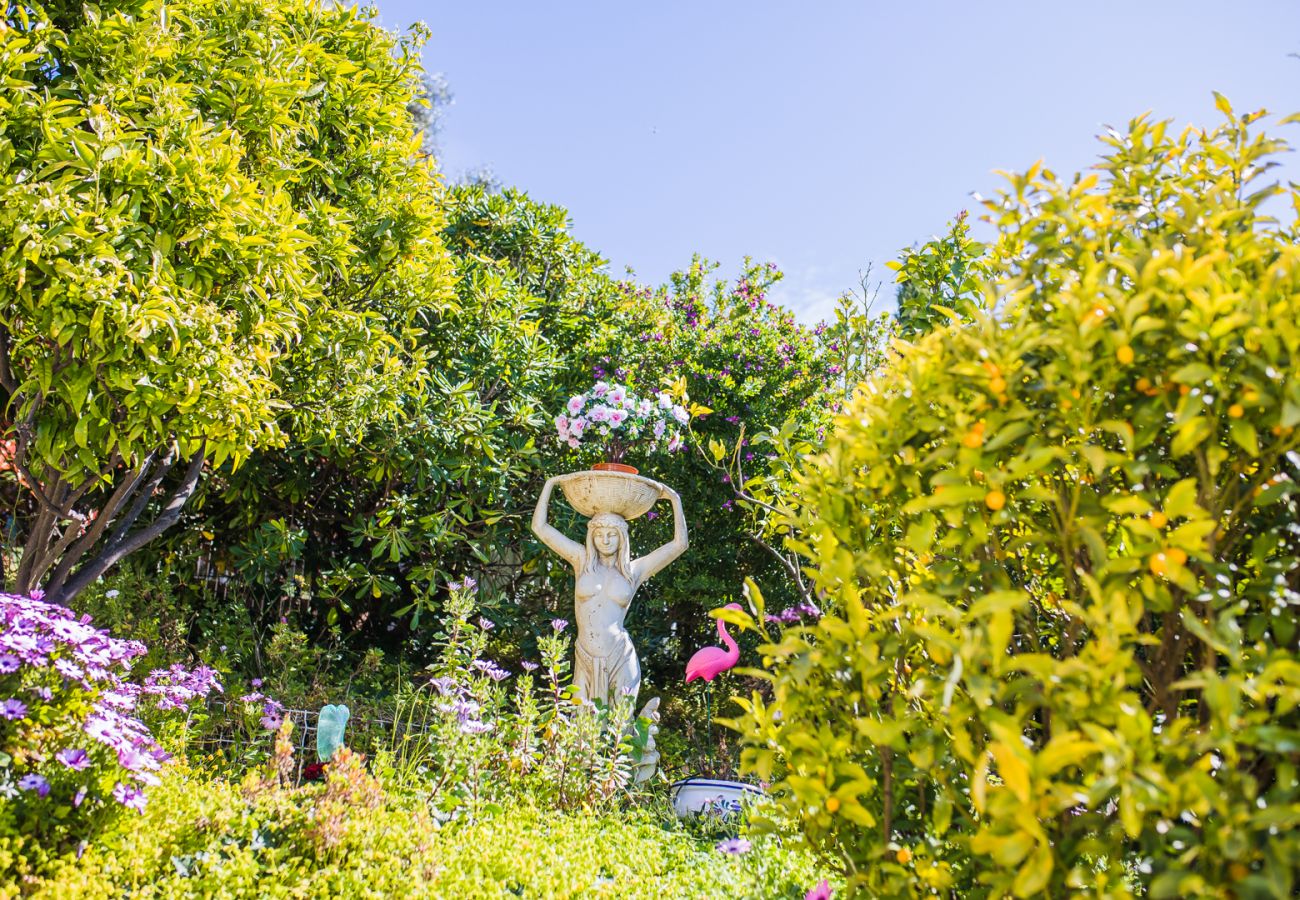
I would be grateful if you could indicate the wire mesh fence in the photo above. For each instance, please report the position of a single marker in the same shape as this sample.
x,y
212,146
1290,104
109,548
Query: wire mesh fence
x,y
239,738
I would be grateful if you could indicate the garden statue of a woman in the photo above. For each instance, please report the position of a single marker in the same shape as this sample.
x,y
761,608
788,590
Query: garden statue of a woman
x,y
605,664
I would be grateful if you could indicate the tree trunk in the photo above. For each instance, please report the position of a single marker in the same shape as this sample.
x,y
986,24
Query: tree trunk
x,y
123,541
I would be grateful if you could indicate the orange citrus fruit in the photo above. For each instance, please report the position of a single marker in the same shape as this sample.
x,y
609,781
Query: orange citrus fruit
x,y
904,856
1236,411
1124,355
832,804
995,500
1158,519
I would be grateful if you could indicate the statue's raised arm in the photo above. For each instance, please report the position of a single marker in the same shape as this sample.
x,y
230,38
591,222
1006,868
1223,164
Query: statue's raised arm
x,y
652,562
569,550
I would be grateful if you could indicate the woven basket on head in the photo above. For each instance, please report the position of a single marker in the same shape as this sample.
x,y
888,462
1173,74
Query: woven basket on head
x,y
629,496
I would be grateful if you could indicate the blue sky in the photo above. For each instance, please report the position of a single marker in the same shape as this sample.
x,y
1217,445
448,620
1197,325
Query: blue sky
x,y
821,136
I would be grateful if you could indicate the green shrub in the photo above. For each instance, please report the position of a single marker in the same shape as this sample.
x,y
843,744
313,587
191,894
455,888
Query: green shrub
x,y
940,280
204,837
1060,559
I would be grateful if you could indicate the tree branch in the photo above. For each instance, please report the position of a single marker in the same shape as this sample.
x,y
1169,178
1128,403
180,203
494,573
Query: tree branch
x,y
24,431
111,555
7,380
142,501
790,568
105,518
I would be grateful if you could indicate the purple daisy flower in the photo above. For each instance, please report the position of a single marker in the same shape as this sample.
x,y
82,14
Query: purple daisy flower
x,y
446,685
129,796
13,708
821,892
74,758
33,782
559,624
734,846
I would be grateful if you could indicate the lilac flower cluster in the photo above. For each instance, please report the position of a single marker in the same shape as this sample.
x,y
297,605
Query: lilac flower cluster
x,y
491,669
54,665
753,296
466,710
793,615
688,306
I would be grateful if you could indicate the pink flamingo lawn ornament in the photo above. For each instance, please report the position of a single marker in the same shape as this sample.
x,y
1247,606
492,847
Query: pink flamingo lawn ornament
x,y
710,662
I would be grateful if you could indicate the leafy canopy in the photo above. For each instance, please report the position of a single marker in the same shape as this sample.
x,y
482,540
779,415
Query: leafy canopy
x,y
217,230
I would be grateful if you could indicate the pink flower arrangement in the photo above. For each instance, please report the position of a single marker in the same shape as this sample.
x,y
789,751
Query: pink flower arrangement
x,y
610,414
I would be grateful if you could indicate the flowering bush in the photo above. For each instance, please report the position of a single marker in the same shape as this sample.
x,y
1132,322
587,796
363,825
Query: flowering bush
x,y
73,749
612,415
759,371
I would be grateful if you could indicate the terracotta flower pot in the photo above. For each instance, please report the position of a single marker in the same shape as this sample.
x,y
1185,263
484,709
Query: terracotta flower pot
x,y
623,493
615,467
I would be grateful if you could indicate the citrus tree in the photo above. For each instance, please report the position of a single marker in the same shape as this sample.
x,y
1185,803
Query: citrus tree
x,y
216,231
1058,548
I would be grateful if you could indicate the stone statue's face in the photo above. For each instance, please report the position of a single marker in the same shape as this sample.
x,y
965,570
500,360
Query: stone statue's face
x,y
606,540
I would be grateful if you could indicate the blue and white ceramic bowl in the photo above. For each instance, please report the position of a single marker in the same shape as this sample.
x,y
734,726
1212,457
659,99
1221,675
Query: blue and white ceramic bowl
x,y
697,795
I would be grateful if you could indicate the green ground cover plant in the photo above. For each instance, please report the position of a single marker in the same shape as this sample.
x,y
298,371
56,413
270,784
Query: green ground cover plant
x,y
1057,547
205,836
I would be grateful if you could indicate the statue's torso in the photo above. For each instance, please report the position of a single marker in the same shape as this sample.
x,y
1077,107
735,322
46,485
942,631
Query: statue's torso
x,y
601,600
